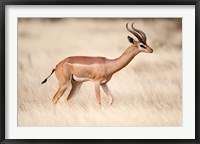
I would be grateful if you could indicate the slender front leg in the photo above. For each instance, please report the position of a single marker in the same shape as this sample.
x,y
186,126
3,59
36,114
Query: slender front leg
x,y
108,93
97,91
74,90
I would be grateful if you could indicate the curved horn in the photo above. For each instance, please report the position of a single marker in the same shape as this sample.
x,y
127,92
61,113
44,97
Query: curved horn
x,y
134,33
144,38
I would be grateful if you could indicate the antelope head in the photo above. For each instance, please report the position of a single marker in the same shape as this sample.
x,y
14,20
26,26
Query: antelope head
x,y
141,44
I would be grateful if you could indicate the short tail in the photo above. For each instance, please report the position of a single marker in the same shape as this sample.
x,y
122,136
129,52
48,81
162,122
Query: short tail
x,y
48,76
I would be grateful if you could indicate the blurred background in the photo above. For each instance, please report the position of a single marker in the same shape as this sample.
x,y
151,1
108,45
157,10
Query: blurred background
x,y
147,92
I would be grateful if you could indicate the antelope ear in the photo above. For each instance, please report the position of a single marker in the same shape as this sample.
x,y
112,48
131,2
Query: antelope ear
x,y
131,40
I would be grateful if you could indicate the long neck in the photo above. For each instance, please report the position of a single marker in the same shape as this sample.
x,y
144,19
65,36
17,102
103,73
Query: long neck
x,y
120,62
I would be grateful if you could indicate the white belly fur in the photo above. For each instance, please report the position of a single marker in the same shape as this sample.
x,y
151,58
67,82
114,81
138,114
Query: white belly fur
x,y
81,79
84,79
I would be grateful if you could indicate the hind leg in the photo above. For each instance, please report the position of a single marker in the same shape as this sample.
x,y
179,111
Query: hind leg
x,y
60,92
75,89
64,78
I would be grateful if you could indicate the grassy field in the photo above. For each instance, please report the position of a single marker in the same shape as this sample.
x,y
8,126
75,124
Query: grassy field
x,y
148,92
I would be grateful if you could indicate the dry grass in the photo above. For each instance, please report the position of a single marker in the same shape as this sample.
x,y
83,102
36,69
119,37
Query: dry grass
x,y
148,92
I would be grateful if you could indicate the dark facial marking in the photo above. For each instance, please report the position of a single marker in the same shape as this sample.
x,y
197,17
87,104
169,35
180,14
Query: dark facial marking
x,y
142,46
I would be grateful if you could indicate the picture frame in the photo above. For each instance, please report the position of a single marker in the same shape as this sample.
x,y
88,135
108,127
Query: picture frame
x,y
3,5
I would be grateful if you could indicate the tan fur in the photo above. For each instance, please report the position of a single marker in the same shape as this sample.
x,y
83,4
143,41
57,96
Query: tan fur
x,y
99,70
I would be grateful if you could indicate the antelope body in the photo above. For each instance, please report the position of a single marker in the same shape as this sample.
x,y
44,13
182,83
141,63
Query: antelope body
x,y
78,69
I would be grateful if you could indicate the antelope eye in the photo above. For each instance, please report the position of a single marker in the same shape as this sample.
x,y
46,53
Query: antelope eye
x,y
142,46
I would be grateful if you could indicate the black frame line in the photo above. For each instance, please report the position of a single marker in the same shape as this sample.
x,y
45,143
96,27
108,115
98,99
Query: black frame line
x,y
3,4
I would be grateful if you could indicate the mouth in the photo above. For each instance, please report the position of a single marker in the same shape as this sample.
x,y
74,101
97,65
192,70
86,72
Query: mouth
x,y
151,50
